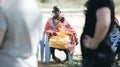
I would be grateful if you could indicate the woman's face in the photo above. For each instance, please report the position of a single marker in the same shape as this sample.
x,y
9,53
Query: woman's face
x,y
56,21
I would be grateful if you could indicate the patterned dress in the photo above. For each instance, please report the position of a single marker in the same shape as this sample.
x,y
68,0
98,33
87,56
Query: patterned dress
x,y
50,28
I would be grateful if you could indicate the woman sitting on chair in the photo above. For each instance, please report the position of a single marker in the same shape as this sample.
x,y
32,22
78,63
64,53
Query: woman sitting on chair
x,y
61,34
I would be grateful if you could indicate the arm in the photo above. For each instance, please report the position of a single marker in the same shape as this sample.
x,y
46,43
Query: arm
x,y
102,26
69,27
103,16
48,28
71,31
1,36
117,22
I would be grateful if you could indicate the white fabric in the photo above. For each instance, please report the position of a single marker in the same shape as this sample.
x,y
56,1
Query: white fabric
x,y
21,21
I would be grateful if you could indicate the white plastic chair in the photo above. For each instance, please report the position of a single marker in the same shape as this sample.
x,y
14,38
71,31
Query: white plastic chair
x,y
45,50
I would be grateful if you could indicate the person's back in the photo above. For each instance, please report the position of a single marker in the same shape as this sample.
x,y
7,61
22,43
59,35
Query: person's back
x,y
21,25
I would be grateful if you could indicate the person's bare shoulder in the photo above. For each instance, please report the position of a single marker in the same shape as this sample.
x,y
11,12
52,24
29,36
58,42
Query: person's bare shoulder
x,y
103,14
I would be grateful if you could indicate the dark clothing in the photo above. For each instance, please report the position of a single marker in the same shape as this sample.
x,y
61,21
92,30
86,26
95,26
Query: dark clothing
x,y
90,21
118,52
103,56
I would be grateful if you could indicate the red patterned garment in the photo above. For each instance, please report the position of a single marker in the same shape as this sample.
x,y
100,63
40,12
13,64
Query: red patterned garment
x,y
50,28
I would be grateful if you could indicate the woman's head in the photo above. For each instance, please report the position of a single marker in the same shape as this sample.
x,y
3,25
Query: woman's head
x,y
57,16
56,10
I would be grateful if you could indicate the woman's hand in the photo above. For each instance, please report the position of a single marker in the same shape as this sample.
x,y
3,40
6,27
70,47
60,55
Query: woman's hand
x,y
54,34
88,42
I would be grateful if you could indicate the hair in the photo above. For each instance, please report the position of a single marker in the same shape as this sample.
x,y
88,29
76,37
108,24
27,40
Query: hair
x,y
56,10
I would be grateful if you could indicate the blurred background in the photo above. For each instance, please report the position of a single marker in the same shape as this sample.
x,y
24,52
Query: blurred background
x,y
74,13
79,4
69,8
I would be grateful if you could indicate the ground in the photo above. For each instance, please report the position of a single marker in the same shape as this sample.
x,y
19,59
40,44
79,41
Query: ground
x,y
76,63
76,18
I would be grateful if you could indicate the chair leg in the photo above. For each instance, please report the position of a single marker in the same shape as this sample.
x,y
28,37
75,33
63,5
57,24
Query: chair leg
x,y
47,49
42,50
47,53
70,57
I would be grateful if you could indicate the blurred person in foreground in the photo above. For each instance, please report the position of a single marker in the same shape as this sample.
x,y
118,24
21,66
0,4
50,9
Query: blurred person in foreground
x,y
20,22
1,0
95,39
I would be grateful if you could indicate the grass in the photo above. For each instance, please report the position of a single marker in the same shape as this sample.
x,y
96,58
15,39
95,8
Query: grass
x,y
76,63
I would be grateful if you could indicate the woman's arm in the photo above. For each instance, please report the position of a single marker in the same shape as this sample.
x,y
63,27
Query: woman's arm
x,y
48,28
103,16
69,27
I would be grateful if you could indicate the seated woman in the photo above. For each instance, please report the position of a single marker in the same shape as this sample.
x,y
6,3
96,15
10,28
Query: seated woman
x,y
60,33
